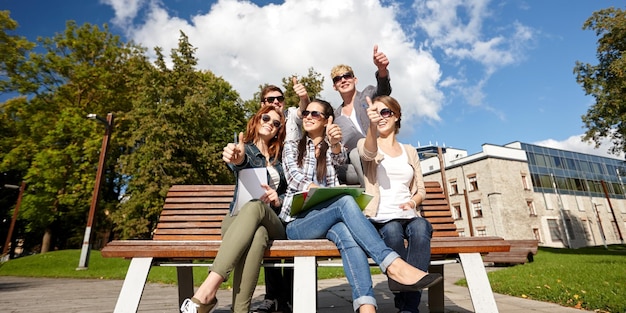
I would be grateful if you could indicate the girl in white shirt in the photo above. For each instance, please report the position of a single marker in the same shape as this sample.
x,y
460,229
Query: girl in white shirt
x,y
394,176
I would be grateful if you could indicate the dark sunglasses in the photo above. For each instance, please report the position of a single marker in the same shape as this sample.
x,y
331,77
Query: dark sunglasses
x,y
337,79
272,99
266,119
314,114
386,113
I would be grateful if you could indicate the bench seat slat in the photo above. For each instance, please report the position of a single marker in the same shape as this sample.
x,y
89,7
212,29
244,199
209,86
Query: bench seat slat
x,y
283,248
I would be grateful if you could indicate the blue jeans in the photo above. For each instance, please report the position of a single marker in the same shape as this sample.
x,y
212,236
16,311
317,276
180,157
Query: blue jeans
x,y
341,221
418,232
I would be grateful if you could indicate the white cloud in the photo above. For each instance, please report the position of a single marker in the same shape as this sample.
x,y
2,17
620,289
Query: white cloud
x,y
575,143
250,45
125,10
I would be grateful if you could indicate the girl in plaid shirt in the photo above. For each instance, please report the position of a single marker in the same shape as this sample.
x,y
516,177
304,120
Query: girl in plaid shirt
x,y
310,163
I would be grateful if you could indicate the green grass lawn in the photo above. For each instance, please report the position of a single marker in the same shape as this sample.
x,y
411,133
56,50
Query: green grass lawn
x,y
589,278
593,279
63,263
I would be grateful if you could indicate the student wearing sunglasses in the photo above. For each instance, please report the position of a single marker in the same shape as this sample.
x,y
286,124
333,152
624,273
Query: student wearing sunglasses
x,y
246,234
394,177
273,95
278,280
352,113
311,162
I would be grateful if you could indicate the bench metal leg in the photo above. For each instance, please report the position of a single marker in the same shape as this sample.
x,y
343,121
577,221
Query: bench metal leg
x,y
134,283
478,283
185,283
305,284
435,293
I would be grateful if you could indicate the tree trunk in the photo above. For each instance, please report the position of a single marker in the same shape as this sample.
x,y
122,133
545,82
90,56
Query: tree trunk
x,y
45,242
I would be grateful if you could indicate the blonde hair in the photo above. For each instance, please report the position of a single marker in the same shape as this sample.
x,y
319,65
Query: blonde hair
x,y
340,70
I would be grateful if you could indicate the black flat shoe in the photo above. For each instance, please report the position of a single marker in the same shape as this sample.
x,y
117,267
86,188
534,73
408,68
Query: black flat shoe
x,y
427,281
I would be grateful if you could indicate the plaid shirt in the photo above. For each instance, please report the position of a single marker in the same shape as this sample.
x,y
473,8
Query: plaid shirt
x,y
300,178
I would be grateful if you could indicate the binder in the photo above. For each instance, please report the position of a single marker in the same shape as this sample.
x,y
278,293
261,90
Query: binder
x,y
305,200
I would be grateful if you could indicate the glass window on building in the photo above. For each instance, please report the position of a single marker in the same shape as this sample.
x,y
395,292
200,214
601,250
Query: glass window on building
x,y
454,187
477,208
537,234
525,181
481,231
531,207
570,229
587,230
456,211
555,233
473,182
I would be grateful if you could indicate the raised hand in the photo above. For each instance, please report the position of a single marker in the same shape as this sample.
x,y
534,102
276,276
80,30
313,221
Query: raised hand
x,y
381,61
372,112
333,132
234,152
299,89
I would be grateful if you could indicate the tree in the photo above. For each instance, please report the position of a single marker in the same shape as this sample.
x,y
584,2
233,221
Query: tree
x,y
180,122
13,50
82,70
606,81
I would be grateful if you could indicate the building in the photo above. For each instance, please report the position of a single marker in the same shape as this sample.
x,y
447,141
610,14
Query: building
x,y
524,191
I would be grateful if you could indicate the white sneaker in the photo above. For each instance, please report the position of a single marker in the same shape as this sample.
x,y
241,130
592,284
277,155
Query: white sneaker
x,y
190,306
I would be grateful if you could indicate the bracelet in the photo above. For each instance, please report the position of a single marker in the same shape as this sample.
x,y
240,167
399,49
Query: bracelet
x,y
335,145
414,203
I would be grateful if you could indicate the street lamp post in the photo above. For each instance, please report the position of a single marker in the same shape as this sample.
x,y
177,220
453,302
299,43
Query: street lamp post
x,y
83,263
5,250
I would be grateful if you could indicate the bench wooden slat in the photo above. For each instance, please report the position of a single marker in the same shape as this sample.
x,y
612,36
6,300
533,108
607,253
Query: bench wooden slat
x,y
183,218
521,251
200,249
223,199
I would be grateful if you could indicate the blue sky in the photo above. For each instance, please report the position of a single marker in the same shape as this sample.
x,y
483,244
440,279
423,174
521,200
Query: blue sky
x,y
466,72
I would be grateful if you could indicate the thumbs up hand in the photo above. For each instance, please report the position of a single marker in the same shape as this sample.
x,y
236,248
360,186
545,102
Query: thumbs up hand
x,y
333,132
299,89
372,113
234,152
381,62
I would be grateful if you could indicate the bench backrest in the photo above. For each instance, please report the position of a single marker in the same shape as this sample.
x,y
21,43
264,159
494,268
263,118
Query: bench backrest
x,y
195,212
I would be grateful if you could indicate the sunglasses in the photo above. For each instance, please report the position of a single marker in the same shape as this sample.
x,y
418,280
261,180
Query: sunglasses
x,y
272,99
338,78
386,113
266,119
314,114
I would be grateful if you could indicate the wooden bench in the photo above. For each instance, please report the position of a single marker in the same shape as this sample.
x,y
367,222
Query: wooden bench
x,y
522,251
189,229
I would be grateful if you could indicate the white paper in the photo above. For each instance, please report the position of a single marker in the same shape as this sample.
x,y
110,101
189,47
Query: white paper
x,y
249,186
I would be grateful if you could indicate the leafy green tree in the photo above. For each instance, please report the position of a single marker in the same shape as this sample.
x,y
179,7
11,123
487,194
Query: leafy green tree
x,y
82,70
606,81
180,122
13,52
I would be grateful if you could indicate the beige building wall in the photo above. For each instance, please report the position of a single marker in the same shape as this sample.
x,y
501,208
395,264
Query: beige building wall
x,y
491,194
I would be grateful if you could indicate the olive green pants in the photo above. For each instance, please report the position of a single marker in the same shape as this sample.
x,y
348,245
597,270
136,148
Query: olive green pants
x,y
244,240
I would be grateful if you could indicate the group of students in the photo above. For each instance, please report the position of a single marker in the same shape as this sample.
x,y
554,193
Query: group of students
x,y
301,148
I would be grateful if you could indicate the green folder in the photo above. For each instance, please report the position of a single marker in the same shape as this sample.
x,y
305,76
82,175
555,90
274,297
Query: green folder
x,y
305,200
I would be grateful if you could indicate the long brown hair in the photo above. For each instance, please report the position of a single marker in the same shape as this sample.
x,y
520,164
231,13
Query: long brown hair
x,y
275,146
321,160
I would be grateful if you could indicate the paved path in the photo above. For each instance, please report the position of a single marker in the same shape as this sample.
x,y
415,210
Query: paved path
x,y
52,295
